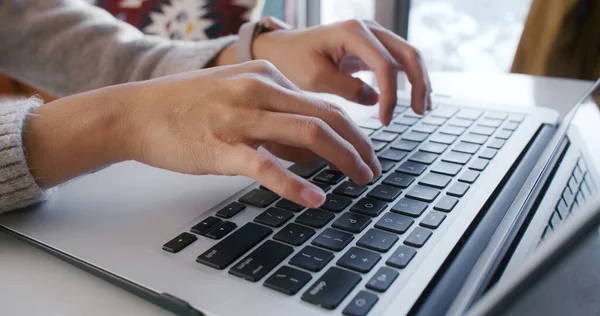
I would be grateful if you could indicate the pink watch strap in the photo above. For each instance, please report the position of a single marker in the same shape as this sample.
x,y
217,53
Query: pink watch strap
x,y
244,45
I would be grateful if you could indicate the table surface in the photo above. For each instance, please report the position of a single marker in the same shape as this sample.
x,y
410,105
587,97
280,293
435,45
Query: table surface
x,y
34,282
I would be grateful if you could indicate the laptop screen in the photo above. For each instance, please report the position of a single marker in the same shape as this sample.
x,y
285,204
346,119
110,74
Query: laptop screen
x,y
586,120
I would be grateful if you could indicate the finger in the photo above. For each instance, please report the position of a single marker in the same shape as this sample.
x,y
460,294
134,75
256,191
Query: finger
x,y
413,64
358,40
341,83
335,117
289,153
266,170
314,134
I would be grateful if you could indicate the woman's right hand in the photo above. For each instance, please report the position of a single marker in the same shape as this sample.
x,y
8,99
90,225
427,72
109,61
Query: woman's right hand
x,y
213,121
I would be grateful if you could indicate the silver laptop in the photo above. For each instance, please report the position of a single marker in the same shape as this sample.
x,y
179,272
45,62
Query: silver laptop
x,y
468,192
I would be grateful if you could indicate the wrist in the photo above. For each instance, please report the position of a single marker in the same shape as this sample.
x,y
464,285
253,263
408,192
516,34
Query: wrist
x,y
227,56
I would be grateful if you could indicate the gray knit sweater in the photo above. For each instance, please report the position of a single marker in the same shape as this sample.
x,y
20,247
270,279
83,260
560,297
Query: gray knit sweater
x,y
65,47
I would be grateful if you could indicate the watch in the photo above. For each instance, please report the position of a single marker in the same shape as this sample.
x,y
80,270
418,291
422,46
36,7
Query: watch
x,y
250,30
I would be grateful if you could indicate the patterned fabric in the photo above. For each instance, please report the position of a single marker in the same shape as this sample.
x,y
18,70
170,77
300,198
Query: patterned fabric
x,y
181,19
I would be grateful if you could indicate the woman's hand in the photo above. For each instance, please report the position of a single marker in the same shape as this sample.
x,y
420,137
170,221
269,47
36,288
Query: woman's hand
x,y
322,58
204,122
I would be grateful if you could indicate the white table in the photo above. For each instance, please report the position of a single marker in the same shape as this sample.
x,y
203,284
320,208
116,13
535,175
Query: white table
x,y
33,282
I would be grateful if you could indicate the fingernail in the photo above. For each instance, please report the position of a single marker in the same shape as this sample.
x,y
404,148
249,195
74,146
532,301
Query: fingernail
x,y
312,196
368,95
365,173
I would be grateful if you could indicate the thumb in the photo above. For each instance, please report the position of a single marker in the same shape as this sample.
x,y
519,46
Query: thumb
x,y
350,88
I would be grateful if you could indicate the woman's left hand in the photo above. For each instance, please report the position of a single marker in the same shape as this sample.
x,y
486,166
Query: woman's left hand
x,y
321,59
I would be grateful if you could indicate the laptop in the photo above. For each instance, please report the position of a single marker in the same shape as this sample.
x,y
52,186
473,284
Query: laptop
x,y
468,193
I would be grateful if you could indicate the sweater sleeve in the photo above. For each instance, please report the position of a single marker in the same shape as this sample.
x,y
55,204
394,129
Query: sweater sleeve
x,y
17,185
69,46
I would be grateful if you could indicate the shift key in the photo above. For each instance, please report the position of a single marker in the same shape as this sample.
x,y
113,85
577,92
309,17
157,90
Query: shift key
x,y
261,261
234,246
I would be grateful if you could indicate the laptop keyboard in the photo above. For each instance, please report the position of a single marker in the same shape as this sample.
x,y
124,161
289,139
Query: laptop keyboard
x,y
429,163
578,190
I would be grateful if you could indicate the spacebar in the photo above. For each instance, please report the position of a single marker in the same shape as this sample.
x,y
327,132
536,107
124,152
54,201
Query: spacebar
x,y
234,246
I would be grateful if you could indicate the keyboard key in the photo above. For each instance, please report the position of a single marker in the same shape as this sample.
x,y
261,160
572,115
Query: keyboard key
x,y
331,288
511,126
424,128
393,154
434,148
469,114
289,205
231,210
415,136
474,139
366,131
400,108
452,130
382,279
274,217
562,209
206,225
378,146
433,219
479,164
307,170
384,136
488,153
323,186
177,244
483,130
315,218
399,180
503,134
409,207
384,193
418,237
259,198
516,118
396,128
359,260
496,115
377,240
469,176
446,168
496,143
312,258
412,168
401,257
386,165
455,157
423,193
405,145
294,234
405,120
460,122
435,180
350,189
466,148
371,123
330,176
446,204
234,246
333,239
444,111
458,189
336,203
287,280
489,123
394,223
220,231
555,220
261,261
434,120
443,138
423,157
351,222
369,207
